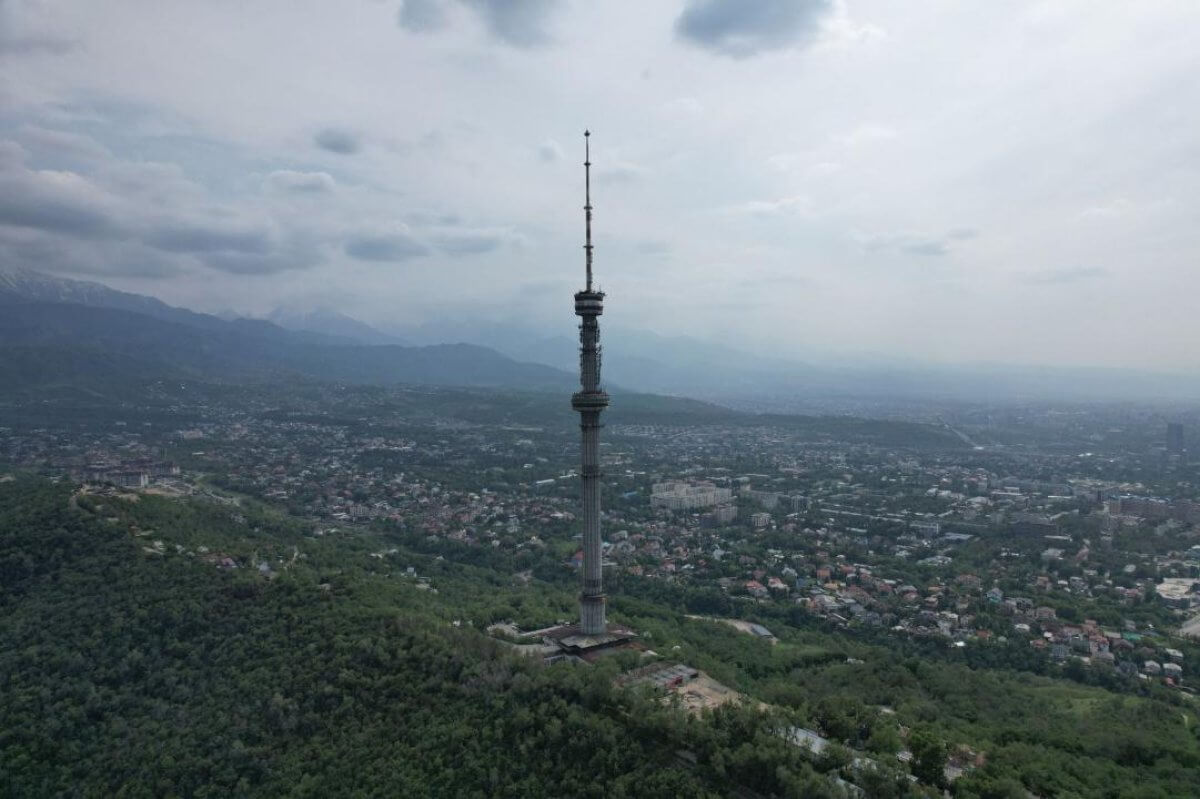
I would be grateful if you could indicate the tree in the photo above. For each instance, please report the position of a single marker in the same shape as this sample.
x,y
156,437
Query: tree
x,y
929,753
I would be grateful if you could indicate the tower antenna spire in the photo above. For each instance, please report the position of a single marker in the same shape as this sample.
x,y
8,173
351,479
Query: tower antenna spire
x,y
587,183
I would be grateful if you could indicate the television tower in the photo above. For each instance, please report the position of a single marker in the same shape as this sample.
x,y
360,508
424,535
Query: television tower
x,y
590,401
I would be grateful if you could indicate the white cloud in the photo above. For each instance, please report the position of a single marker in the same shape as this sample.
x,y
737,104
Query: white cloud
x,y
784,206
292,182
867,134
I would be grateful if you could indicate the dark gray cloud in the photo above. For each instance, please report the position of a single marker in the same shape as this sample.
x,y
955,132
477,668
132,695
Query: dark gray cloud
x,y
263,263
422,15
57,202
192,238
60,215
1068,275
549,151
468,244
521,23
742,28
388,247
336,140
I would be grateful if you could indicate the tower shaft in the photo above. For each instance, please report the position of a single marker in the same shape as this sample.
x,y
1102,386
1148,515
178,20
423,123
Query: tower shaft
x,y
590,402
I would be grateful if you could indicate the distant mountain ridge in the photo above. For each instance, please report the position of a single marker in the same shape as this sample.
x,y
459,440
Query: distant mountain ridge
x,y
23,284
52,328
636,360
329,322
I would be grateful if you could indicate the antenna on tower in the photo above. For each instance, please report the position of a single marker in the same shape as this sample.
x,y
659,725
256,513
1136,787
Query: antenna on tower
x,y
587,182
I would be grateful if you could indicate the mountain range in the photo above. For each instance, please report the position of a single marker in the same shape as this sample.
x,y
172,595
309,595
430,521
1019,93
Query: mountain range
x,y
55,331
329,322
147,335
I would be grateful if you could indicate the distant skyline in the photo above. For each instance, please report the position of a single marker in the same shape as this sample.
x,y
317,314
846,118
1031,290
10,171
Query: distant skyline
x,y
938,181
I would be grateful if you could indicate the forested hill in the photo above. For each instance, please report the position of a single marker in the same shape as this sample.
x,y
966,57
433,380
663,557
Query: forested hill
x,y
130,673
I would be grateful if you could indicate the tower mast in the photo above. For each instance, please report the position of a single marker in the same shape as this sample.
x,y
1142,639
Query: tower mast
x,y
587,203
590,401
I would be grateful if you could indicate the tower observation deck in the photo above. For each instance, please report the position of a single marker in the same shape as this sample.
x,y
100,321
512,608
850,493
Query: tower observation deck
x,y
590,401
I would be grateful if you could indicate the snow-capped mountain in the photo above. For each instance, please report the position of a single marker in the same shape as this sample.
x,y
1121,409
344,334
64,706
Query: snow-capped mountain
x,y
21,284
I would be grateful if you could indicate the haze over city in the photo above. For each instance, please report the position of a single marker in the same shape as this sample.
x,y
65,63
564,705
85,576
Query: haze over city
x,y
946,182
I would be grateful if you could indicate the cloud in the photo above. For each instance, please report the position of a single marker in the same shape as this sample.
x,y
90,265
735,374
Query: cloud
x,y
25,30
930,248
468,243
52,212
867,134
141,219
784,206
1106,212
195,238
686,108
386,247
27,45
238,248
741,29
840,31
550,150
520,23
291,182
652,247
336,140
296,255
58,144
618,172
55,201
922,245
420,16
1068,275
58,254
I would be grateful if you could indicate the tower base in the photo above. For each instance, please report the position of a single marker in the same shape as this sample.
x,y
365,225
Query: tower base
x,y
573,642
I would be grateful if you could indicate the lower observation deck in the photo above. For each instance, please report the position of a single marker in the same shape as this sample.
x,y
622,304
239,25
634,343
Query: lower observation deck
x,y
589,401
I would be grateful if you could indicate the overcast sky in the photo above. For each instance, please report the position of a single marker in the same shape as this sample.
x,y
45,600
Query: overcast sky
x,y
936,179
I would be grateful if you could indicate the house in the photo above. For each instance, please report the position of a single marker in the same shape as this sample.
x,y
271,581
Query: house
x,y
1152,668
756,589
995,596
